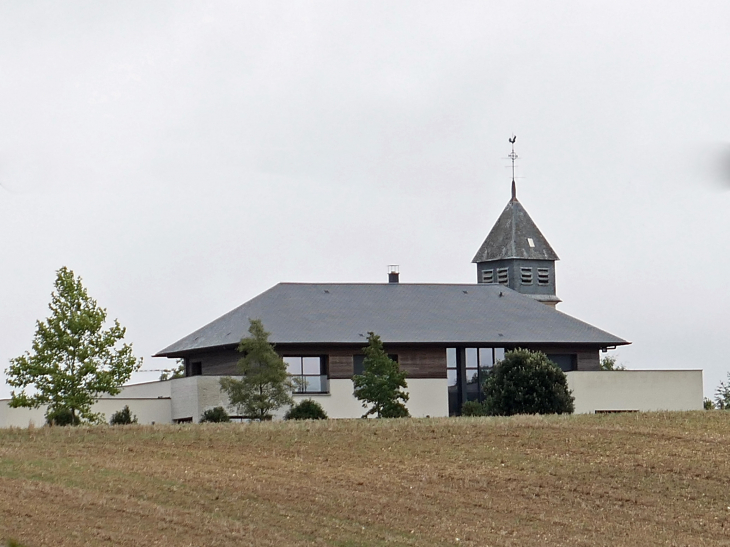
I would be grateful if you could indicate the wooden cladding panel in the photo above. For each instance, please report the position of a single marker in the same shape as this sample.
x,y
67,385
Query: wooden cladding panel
x,y
589,360
341,365
422,362
418,362
222,363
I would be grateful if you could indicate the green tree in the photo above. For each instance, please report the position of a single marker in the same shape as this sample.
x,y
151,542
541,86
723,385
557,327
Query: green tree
x,y
609,363
265,385
722,395
74,359
381,383
527,382
172,373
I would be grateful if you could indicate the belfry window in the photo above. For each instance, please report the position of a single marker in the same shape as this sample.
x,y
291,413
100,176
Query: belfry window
x,y
487,276
543,276
526,276
503,276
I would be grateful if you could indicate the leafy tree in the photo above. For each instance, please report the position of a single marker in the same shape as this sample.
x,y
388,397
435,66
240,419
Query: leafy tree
x,y
527,382
123,417
266,385
381,383
722,395
306,410
172,373
609,363
74,359
215,415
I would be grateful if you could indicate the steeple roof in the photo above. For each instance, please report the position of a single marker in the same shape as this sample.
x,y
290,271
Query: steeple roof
x,y
515,235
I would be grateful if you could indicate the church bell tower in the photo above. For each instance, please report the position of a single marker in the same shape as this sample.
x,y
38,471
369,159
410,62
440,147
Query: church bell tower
x,y
516,254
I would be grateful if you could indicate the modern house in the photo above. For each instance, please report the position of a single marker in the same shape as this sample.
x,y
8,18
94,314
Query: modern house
x,y
443,335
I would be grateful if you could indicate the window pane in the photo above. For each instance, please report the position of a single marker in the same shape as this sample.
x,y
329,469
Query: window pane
x,y
471,358
498,354
358,362
451,375
311,365
451,357
315,384
485,357
472,376
293,365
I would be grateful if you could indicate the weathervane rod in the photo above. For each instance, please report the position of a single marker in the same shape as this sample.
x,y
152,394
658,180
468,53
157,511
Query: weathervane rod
x,y
513,157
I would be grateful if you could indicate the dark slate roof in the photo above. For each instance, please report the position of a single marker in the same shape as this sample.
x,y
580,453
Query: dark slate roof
x,y
509,237
321,313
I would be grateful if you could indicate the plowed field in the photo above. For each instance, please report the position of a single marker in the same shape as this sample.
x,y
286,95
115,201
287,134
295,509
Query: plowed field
x,y
629,479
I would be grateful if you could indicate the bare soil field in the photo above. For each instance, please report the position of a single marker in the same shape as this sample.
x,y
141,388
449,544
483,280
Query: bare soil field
x,y
621,479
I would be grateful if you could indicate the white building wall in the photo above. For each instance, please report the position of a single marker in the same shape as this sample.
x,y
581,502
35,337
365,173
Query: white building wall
x,y
194,395
147,390
147,410
21,417
642,390
163,402
427,397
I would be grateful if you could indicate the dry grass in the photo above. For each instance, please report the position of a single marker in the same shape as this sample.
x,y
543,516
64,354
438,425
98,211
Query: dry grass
x,y
631,479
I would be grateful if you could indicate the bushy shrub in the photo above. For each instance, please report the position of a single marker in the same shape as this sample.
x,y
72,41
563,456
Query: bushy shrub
x,y
123,417
527,382
473,408
306,410
62,417
215,415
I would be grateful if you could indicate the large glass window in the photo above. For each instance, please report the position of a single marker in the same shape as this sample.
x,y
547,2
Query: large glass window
x,y
309,373
465,380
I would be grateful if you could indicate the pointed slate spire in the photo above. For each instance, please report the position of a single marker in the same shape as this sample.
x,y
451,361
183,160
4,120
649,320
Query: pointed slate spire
x,y
515,235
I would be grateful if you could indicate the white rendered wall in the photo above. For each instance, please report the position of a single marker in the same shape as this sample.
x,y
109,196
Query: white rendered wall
x,y
21,417
194,395
147,390
147,411
428,397
643,390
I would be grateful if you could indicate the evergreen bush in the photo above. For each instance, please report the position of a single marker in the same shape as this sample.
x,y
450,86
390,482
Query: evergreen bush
x,y
473,408
215,415
123,417
61,417
306,410
527,382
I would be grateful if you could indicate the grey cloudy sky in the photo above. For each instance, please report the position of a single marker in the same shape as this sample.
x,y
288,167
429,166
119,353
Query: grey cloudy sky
x,y
182,157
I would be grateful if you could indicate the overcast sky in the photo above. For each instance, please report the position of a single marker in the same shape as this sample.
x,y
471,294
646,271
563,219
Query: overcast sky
x,y
182,157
